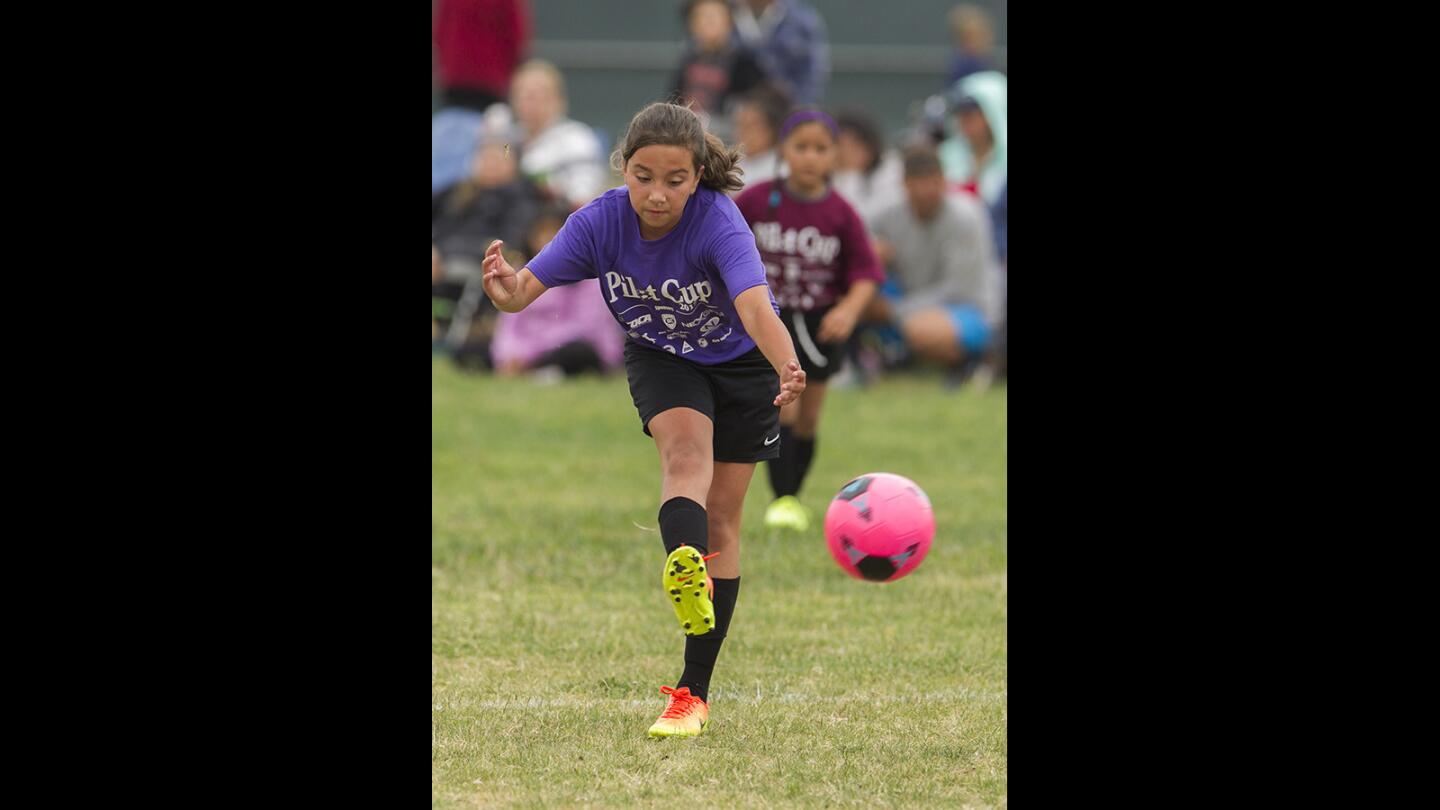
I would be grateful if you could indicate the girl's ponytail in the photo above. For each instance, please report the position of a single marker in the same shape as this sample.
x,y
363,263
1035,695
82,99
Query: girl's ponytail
x,y
722,170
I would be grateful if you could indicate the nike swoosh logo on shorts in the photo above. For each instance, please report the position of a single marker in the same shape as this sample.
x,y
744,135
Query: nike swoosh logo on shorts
x,y
772,440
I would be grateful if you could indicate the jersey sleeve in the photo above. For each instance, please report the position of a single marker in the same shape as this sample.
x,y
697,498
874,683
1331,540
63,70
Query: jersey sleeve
x,y
570,256
733,254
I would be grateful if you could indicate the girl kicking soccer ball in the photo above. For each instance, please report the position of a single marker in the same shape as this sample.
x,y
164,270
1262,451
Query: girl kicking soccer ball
x,y
707,358
823,272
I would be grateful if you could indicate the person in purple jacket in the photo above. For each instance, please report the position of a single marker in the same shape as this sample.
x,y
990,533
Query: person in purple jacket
x,y
823,271
567,332
708,360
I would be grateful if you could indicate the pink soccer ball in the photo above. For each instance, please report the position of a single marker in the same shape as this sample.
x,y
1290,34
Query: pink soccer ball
x,y
879,527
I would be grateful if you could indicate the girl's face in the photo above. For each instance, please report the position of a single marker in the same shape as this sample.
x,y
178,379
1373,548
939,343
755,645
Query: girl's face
x,y
975,128
660,179
809,151
710,25
752,130
851,153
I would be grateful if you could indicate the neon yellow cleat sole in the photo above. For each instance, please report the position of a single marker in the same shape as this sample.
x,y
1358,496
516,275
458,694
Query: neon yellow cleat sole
x,y
689,590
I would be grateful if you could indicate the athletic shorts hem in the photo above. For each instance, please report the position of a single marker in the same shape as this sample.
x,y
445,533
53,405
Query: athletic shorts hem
x,y
737,395
694,406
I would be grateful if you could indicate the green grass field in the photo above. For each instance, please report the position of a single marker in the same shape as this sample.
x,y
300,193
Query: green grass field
x,y
550,637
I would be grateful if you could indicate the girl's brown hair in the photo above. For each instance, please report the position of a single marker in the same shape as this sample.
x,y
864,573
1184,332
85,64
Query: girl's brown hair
x,y
662,124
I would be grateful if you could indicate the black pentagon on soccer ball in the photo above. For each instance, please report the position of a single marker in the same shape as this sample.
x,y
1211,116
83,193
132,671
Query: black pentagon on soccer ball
x,y
853,489
875,568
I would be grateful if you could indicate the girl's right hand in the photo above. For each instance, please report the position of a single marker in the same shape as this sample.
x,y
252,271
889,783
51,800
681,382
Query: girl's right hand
x,y
792,384
499,279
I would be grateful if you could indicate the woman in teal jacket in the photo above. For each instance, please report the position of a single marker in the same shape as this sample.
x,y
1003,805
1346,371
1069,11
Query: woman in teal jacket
x,y
975,156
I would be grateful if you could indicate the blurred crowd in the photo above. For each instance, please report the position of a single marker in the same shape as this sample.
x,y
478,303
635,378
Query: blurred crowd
x,y
507,162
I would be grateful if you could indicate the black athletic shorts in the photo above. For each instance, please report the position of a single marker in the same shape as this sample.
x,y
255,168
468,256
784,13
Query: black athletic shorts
x,y
738,396
819,360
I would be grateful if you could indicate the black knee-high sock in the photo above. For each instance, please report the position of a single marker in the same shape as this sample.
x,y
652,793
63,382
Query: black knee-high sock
x,y
683,522
804,452
782,469
701,651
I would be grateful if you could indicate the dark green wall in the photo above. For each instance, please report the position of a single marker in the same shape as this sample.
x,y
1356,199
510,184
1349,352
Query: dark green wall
x,y
908,22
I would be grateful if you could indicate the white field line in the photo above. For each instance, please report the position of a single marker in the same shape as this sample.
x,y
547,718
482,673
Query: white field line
x,y
963,695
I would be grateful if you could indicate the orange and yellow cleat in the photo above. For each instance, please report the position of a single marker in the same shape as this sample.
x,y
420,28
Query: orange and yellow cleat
x,y
684,716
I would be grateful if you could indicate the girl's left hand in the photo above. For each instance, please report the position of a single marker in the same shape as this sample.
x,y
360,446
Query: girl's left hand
x,y
792,383
836,326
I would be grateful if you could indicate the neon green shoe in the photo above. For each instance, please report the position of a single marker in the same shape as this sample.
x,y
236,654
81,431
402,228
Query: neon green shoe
x,y
787,513
689,594
684,716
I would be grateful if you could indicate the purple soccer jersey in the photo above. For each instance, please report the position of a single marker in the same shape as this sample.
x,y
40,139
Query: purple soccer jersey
x,y
673,294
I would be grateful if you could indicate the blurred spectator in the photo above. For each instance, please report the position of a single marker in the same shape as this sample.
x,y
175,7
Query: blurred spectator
x,y
867,175
478,43
758,115
454,136
975,158
999,214
943,294
561,156
494,202
566,331
788,38
714,66
931,123
973,32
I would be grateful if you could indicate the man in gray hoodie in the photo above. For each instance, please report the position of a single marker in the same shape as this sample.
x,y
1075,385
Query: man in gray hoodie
x,y
943,288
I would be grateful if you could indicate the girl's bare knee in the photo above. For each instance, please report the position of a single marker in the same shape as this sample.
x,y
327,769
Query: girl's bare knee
x,y
683,459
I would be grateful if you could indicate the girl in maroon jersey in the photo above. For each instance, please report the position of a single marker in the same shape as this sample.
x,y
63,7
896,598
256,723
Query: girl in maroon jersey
x,y
823,272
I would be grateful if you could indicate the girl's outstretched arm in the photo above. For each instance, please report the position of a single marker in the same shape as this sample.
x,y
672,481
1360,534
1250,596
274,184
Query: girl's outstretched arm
x,y
762,324
510,291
